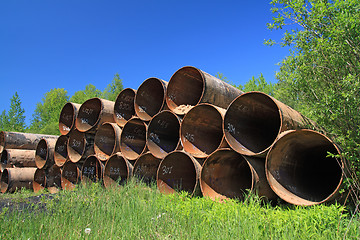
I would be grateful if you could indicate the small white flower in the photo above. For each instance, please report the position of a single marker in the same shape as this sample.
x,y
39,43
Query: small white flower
x,y
87,230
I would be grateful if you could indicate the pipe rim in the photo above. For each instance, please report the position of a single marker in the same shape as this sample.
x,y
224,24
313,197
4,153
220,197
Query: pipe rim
x,y
120,117
91,164
42,153
127,151
76,146
39,182
4,180
67,113
2,141
103,138
61,155
82,122
149,172
120,163
69,177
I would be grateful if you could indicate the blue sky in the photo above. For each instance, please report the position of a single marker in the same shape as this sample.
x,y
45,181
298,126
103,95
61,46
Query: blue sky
x,y
69,44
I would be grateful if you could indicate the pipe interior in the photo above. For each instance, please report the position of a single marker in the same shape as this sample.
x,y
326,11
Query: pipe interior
x,y
124,106
39,180
116,171
91,169
185,88
76,146
4,181
41,153
252,123
61,152
201,130
104,143
4,157
226,173
53,178
89,114
145,168
69,175
133,139
66,120
163,134
2,141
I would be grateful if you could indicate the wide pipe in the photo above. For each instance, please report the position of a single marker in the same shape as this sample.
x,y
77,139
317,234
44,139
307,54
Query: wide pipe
x,y
13,179
178,171
67,117
150,98
254,121
93,113
300,171
118,171
70,175
53,179
17,140
44,155
190,86
39,182
163,134
201,130
133,139
145,168
17,158
61,152
80,146
124,106
107,140
92,170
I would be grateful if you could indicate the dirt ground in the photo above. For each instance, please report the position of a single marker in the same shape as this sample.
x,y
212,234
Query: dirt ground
x,y
30,204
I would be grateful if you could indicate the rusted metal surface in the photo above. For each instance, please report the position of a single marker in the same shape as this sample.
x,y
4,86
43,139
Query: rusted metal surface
x,y
61,152
92,170
118,171
107,140
179,171
150,98
39,182
133,139
93,113
145,168
17,158
163,134
44,155
226,174
70,175
190,86
124,106
17,140
299,171
53,179
67,117
80,146
13,179
254,121
201,130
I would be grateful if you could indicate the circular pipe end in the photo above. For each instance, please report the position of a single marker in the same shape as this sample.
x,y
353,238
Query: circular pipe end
x,y
106,140
92,170
39,182
4,181
124,106
76,146
88,115
41,153
117,171
70,175
133,139
61,152
67,118
145,168
2,141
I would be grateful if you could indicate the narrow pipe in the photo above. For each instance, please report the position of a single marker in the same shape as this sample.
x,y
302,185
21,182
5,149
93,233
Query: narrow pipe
x,y
254,120
150,98
67,117
133,139
107,140
178,171
145,168
70,175
39,182
44,155
80,146
92,170
13,179
53,179
124,106
17,158
117,171
61,152
190,86
163,134
17,140
201,130
93,113
299,171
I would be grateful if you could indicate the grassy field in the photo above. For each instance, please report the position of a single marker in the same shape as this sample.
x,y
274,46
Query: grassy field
x,y
136,211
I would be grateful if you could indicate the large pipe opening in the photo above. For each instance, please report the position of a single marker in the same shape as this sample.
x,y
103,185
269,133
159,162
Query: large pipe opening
x,y
67,118
39,180
92,170
4,181
107,140
61,152
117,171
42,153
88,115
70,175
133,139
145,168
53,179
80,145
124,106
299,171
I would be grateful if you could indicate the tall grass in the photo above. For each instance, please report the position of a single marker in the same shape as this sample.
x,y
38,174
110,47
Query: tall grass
x,y
136,211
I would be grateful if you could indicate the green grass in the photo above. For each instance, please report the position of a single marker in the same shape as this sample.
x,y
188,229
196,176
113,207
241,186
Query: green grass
x,y
139,212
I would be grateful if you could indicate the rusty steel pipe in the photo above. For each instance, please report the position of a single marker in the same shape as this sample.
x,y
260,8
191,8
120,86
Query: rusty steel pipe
x,y
150,98
92,170
118,170
67,117
70,175
145,168
13,179
80,146
17,158
190,86
133,139
107,140
17,140
179,171
53,179
44,155
93,113
124,106
254,120
163,134
39,182
299,171
61,152
201,130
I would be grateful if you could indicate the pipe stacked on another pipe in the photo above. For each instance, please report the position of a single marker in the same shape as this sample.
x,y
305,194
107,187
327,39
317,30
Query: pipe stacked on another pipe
x,y
107,140
124,106
145,168
67,117
117,170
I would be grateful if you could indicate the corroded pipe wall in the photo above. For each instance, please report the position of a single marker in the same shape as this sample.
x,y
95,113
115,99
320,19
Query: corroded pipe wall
x,y
124,106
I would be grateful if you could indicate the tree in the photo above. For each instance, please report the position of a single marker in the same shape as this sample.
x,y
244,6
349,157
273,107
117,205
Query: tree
x,y
81,96
258,84
14,120
113,89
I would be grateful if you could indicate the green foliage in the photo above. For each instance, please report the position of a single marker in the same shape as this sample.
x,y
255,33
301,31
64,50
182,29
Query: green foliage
x,y
14,120
81,96
258,84
321,77
113,89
